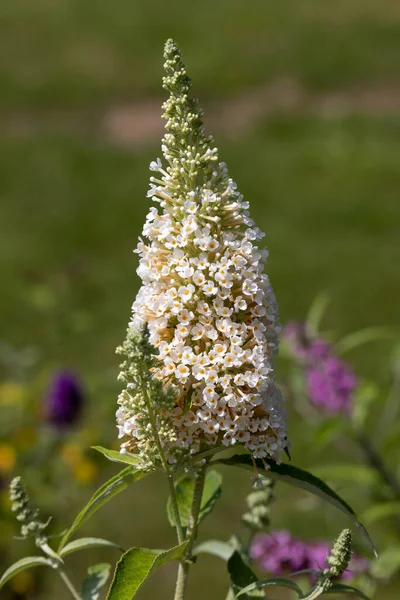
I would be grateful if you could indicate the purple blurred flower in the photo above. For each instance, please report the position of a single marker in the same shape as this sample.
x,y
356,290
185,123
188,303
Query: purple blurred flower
x,y
65,400
305,348
279,553
331,385
330,381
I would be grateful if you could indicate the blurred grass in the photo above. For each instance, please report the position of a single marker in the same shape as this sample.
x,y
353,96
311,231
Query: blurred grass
x,y
74,53
325,190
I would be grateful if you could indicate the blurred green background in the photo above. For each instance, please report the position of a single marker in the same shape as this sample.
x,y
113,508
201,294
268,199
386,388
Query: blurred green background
x,y
303,97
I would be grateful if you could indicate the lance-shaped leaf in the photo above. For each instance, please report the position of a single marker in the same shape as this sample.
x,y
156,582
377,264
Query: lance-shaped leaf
x,y
137,565
364,336
276,582
216,548
387,564
384,510
84,543
96,579
242,576
356,473
115,456
184,493
25,563
108,490
298,478
341,588
316,312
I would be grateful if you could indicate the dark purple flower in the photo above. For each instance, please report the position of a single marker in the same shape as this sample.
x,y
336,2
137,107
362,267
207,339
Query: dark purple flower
x,y
279,553
331,384
65,400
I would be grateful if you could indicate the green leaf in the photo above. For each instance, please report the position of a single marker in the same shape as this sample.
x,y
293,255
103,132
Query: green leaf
x,y
88,542
277,582
364,336
316,312
184,488
135,566
97,577
327,431
384,510
25,563
299,478
341,588
216,548
108,490
115,456
242,576
353,472
365,395
387,564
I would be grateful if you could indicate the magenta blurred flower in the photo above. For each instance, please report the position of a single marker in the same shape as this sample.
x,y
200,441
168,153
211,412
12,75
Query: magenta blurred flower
x,y
65,400
303,347
331,385
330,381
279,553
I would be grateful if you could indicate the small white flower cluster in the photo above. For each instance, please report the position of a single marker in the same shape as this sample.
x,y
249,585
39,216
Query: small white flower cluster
x,y
210,310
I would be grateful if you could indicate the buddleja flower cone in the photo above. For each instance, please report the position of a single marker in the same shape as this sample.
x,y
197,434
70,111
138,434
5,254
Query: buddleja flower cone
x,y
209,309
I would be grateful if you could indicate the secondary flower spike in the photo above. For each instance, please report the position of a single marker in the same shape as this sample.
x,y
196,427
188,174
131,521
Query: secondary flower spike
x,y
209,308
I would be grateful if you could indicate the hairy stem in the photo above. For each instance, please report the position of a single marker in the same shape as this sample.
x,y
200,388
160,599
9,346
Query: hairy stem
x,y
69,585
191,533
317,591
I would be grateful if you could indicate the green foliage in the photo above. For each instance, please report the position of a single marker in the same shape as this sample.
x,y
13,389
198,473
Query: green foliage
x,y
358,473
184,488
216,548
23,564
364,336
387,564
316,313
84,543
341,588
242,576
96,579
275,582
108,490
365,396
115,456
298,478
383,510
135,566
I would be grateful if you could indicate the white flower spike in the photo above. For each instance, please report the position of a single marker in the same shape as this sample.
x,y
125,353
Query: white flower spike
x,y
209,308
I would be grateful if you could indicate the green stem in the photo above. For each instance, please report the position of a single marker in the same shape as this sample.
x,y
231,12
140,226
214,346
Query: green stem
x,y
69,585
191,533
377,463
165,466
175,509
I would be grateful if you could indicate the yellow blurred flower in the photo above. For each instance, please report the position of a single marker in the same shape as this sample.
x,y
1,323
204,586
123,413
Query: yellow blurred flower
x,y
12,392
71,454
25,438
85,471
22,582
8,458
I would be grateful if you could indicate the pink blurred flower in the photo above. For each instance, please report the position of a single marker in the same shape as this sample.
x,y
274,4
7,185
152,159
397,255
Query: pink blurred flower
x,y
279,552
